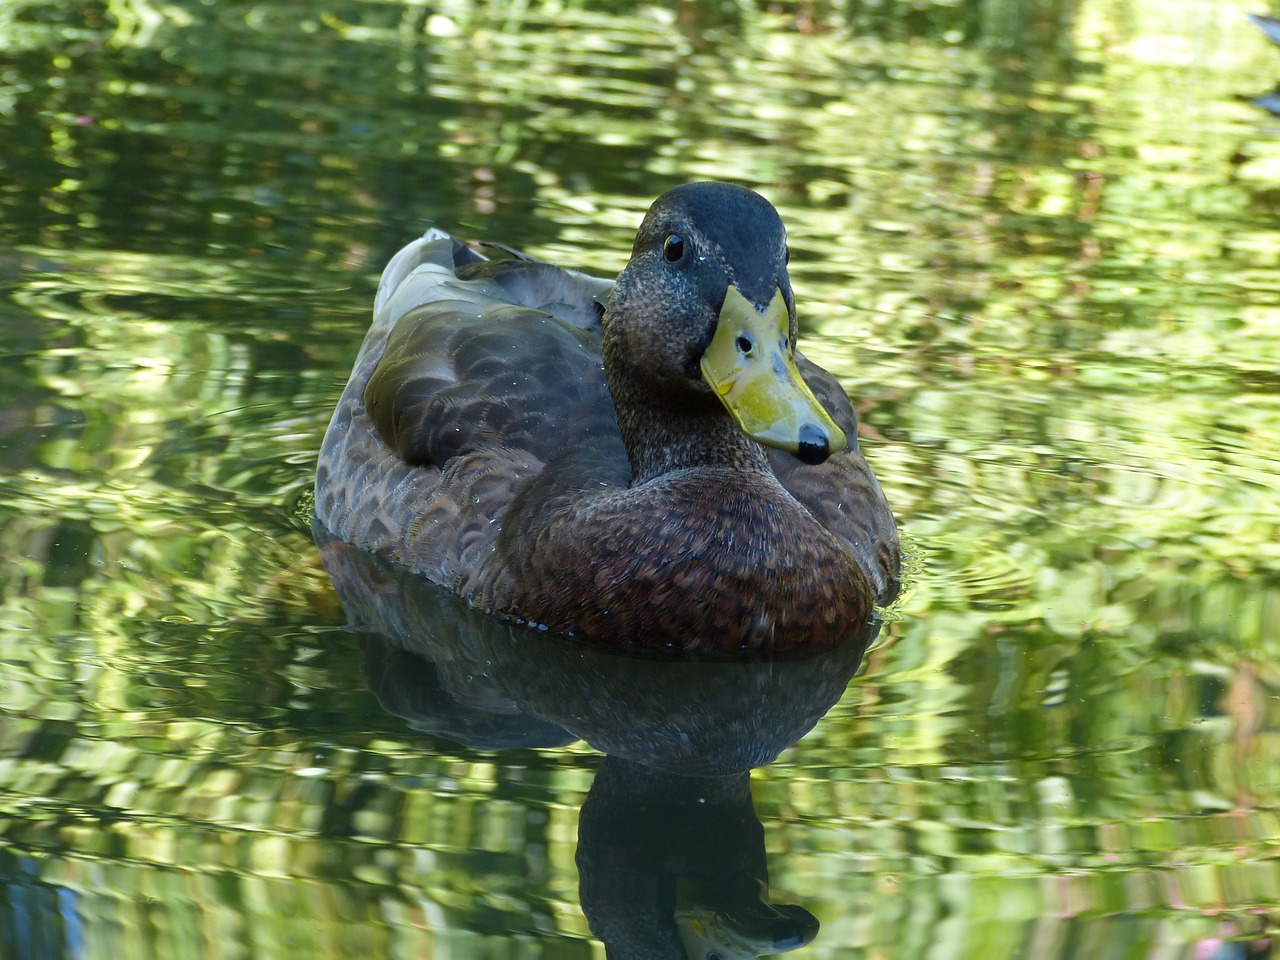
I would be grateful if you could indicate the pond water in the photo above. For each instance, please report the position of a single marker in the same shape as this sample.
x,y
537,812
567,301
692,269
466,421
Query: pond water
x,y
1038,242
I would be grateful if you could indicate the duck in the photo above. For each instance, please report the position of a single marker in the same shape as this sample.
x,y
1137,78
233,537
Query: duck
x,y
646,462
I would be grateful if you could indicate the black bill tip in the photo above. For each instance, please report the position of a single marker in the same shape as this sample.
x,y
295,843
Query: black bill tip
x,y
814,446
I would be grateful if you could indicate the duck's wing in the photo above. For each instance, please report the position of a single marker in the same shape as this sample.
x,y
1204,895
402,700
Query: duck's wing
x,y
843,493
475,382
458,376
503,354
575,298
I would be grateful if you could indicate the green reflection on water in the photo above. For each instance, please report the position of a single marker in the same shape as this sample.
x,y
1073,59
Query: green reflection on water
x,y
1037,242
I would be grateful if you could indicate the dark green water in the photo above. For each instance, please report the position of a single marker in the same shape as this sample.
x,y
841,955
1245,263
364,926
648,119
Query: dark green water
x,y
1040,243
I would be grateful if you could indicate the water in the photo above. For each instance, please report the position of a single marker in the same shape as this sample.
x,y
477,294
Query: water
x,y
1038,243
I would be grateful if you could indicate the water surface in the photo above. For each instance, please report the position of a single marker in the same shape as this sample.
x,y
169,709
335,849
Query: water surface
x,y
1038,244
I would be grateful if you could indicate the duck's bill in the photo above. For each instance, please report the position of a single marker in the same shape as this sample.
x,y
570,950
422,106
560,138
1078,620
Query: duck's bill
x,y
753,371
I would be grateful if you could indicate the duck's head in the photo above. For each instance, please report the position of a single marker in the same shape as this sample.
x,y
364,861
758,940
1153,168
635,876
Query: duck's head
x,y
705,309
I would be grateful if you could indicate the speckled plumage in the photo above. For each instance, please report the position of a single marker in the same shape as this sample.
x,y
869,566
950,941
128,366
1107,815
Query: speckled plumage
x,y
482,442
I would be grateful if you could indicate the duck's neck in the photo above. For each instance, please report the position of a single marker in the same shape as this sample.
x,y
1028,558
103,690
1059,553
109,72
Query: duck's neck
x,y
680,431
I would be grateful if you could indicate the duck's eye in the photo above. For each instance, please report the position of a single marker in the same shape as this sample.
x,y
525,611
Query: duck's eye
x,y
744,345
673,247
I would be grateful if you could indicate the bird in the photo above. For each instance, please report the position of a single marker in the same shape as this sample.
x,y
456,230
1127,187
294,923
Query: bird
x,y
646,463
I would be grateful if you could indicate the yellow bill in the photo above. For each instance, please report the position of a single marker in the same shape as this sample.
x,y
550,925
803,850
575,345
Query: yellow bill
x,y
752,369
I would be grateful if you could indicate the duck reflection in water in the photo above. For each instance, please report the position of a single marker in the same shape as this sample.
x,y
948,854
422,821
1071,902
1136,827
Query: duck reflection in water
x,y
671,853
